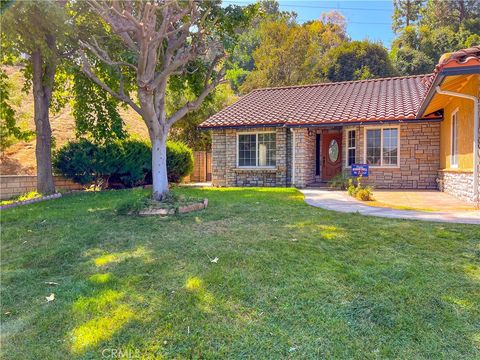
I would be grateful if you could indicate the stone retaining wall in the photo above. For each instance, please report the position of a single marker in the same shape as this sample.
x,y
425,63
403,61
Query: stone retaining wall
x,y
14,185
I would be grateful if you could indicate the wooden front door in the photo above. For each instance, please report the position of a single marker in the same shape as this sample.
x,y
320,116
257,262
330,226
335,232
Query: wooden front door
x,y
331,155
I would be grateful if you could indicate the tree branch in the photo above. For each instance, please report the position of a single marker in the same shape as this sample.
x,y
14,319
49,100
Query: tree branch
x,y
118,22
87,70
194,105
103,55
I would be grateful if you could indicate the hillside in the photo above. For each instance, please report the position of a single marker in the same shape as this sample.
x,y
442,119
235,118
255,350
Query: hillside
x,y
20,157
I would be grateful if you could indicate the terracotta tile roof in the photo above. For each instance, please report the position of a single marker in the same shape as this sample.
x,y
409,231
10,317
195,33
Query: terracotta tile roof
x,y
395,98
457,59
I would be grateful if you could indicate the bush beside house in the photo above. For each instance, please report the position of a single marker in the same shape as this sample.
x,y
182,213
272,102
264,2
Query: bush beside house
x,y
119,164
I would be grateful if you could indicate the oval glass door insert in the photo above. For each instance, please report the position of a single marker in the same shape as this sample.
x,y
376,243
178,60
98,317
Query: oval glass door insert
x,y
333,151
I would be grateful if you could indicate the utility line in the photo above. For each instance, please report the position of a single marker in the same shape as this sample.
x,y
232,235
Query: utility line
x,y
311,6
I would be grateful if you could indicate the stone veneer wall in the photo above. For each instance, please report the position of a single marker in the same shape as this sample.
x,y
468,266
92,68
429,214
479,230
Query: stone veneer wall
x,y
419,157
224,159
457,183
304,157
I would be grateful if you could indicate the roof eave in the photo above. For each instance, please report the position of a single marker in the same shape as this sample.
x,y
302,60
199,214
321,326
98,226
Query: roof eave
x,y
223,127
453,71
327,124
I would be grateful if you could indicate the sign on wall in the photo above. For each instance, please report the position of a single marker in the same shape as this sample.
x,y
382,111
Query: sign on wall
x,y
360,170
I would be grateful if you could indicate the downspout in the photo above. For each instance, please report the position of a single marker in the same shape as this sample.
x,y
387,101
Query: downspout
x,y
293,156
475,135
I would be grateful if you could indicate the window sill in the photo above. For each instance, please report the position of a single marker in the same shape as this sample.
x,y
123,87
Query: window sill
x,y
384,167
456,170
256,169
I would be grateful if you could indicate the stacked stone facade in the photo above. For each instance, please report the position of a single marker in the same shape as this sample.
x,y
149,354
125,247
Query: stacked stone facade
x,y
419,157
225,171
457,183
304,157
418,164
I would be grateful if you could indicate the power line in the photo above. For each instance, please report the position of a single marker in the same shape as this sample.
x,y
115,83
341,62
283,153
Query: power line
x,y
312,6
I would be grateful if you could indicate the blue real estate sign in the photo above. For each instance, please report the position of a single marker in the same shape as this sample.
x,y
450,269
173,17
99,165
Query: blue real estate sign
x,y
360,170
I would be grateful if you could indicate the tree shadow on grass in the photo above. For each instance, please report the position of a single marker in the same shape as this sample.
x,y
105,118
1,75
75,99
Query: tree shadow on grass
x,y
291,281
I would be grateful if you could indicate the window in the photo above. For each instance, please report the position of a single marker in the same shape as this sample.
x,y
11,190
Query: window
x,y
390,147
382,147
454,158
256,150
351,147
374,147
333,151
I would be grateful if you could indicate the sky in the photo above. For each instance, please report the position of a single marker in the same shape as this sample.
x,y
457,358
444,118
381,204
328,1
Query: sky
x,y
365,19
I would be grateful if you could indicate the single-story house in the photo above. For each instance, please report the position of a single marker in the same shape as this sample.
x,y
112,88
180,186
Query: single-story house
x,y
414,132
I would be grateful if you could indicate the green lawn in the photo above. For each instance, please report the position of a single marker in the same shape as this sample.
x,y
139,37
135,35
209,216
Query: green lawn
x,y
292,281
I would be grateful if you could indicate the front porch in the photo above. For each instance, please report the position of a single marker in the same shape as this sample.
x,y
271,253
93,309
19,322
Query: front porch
x,y
403,155
421,200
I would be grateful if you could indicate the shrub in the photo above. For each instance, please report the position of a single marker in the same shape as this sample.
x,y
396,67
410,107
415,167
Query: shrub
x,y
179,161
122,163
357,190
364,194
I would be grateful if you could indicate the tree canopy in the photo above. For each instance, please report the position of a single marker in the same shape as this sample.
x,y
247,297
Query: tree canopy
x,y
435,27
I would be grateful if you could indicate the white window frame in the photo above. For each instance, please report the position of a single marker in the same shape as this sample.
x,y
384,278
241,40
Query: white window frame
x,y
381,128
454,140
347,147
256,133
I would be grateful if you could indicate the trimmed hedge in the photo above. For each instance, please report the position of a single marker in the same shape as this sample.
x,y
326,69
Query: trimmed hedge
x,y
122,163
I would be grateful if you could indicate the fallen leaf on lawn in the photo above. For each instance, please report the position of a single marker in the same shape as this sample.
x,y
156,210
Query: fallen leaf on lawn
x,y
51,283
214,260
50,298
7,313
293,239
292,349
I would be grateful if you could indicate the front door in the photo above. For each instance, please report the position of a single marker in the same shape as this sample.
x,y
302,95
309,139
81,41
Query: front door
x,y
331,155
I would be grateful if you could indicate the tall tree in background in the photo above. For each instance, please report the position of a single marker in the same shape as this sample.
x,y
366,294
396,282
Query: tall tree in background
x,y
161,45
34,33
240,62
357,60
405,13
291,54
442,26
452,13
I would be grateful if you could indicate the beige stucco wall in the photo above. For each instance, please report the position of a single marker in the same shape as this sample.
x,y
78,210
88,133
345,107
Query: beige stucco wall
x,y
465,109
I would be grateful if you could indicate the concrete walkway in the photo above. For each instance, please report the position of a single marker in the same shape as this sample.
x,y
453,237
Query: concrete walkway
x,y
342,202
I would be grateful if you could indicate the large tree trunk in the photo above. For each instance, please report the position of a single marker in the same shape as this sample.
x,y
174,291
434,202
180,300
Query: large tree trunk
x,y
42,91
159,167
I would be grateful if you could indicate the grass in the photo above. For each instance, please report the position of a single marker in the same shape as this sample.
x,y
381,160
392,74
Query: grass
x,y
292,281
27,196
